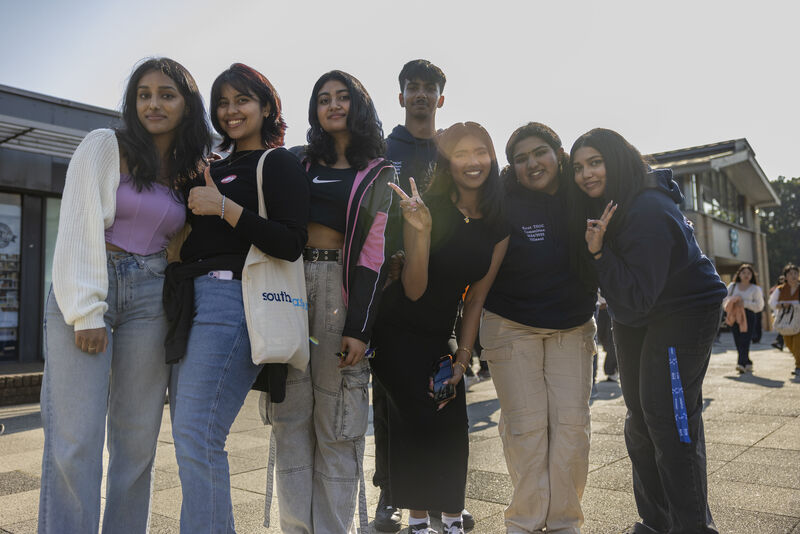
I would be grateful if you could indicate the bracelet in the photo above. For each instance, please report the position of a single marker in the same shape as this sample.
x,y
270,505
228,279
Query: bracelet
x,y
465,349
222,214
463,367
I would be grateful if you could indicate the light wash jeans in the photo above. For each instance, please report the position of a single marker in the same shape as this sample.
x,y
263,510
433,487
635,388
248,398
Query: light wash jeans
x,y
319,428
207,390
128,383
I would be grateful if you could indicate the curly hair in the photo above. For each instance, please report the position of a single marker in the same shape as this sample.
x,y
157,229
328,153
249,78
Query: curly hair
x,y
442,186
247,80
366,130
192,139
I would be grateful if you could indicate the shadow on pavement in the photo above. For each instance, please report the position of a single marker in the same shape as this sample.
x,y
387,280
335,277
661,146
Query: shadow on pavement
x,y
480,414
21,423
750,378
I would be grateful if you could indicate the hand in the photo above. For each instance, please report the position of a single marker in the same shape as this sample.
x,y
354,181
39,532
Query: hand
x,y
596,229
396,263
205,199
354,348
458,373
415,212
92,341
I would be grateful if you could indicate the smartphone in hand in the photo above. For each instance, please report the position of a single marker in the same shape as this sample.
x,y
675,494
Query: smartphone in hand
x,y
443,371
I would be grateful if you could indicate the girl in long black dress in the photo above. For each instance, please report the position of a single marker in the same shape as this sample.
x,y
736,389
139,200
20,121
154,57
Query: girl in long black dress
x,y
454,239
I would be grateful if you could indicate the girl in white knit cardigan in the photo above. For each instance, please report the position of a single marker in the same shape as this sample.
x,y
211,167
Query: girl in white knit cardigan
x,y
104,324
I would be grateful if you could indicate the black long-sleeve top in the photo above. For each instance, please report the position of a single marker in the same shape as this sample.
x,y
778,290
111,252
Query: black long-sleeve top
x,y
286,194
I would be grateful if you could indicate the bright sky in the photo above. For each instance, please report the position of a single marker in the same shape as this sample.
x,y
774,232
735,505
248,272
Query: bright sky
x,y
664,74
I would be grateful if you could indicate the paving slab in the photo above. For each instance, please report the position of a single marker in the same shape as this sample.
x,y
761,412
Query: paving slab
x,y
752,443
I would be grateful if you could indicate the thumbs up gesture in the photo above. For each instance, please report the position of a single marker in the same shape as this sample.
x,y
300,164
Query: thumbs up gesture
x,y
206,199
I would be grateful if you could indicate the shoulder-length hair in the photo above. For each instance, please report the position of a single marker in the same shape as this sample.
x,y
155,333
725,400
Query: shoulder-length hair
x,y
579,260
741,268
366,129
192,139
625,175
249,81
442,186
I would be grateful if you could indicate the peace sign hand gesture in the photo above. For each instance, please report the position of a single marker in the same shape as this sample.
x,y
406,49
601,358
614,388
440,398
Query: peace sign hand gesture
x,y
415,212
596,228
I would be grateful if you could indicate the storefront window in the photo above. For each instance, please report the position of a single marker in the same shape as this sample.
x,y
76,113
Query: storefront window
x,y
10,226
50,231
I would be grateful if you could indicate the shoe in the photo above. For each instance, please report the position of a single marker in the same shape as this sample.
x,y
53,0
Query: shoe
x,y
796,371
424,528
740,368
613,377
387,517
467,519
748,368
456,528
484,374
469,371
777,345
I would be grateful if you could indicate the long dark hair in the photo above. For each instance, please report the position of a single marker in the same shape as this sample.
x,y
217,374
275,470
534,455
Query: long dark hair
x,y
579,260
625,176
192,139
741,268
366,130
249,81
442,186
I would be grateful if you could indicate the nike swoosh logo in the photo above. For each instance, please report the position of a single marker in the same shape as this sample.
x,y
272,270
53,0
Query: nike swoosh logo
x,y
316,180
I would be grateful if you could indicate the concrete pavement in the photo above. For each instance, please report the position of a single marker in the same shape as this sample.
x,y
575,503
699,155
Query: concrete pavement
x,y
752,427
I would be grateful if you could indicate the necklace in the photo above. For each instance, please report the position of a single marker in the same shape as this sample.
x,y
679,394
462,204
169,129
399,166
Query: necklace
x,y
242,154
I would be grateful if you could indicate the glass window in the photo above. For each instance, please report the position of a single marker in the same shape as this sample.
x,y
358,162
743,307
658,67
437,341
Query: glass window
x,y
10,226
52,209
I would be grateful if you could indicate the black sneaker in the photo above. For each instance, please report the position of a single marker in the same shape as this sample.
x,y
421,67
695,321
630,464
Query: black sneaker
x,y
424,528
484,374
466,518
387,517
455,528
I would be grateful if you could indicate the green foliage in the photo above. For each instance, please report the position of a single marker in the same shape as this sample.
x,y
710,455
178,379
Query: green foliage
x,y
782,226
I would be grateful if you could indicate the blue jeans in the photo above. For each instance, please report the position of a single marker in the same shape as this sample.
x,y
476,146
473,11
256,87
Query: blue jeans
x,y
128,383
207,390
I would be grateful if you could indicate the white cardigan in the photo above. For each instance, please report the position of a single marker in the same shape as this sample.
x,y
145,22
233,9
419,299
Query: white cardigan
x,y
80,278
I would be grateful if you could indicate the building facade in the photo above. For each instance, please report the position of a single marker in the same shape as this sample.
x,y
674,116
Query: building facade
x,y
724,189
38,135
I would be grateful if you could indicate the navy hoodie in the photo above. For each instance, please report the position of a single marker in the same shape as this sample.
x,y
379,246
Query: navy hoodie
x,y
411,157
534,285
653,267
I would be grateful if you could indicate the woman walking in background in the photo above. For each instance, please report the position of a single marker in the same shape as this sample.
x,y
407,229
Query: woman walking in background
x,y
744,291
783,296
320,428
105,324
664,297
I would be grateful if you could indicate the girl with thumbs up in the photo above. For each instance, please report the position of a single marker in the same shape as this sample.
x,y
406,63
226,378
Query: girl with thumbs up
x,y
213,376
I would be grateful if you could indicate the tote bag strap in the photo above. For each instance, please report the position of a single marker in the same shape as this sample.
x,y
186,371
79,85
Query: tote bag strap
x,y
262,204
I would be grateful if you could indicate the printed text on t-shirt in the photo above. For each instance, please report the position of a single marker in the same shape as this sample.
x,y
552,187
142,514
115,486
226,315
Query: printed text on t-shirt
x,y
534,232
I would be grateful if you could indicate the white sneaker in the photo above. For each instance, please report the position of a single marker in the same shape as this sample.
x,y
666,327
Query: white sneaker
x,y
421,529
455,528
613,377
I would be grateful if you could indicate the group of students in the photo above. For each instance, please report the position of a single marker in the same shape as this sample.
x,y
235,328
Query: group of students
x,y
531,242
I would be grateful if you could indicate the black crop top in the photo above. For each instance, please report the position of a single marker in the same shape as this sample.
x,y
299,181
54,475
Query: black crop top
x,y
330,193
286,195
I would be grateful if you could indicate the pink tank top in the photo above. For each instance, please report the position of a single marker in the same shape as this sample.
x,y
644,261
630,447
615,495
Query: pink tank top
x,y
144,221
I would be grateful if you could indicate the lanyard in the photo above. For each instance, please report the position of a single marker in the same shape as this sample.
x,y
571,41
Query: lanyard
x,y
678,402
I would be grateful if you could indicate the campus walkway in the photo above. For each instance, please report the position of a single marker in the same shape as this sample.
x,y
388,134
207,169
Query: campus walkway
x,y
752,429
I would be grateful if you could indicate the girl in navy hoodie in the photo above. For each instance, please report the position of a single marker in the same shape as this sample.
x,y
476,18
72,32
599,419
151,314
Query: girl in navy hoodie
x,y
664,297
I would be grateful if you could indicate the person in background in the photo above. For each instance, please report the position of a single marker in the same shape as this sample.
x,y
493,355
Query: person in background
x,y
778,343
538,337
787,294
105,324
664,296
214,371
745,290
320,428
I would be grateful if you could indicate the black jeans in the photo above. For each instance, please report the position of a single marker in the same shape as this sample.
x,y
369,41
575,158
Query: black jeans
x,y
743,339
669,474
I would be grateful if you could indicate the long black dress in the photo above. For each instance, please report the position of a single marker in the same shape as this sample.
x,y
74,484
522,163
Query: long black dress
x,y
428,449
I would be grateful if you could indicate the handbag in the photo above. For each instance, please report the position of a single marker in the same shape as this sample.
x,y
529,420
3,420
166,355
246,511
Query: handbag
x,y
787,320
275,301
